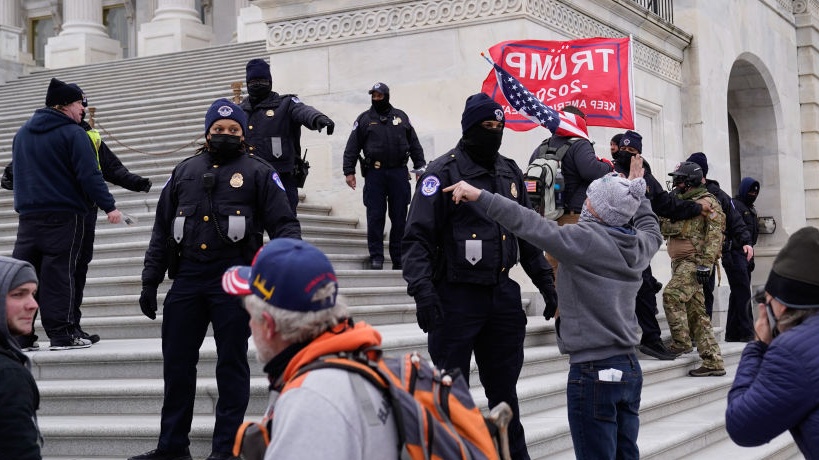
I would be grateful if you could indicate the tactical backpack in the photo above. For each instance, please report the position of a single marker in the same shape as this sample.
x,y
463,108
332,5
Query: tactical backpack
x,y
434,411
544,180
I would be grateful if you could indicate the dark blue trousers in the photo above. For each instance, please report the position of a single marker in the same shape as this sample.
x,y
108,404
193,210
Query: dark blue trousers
x,y
386,191
290,189
645,308
490,321
51,242
190,305
740,322
604,415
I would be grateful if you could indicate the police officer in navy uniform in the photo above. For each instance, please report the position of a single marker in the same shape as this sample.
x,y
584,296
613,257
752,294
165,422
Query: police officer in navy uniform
x,y
274,125
211,215
457,262
389,141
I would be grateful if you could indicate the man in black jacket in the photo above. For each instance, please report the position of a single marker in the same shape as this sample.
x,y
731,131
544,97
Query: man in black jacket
x,y
735,231
663,204
580,167
274,125
739,326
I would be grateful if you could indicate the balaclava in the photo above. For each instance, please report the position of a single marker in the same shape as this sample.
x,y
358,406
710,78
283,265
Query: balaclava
x,y
481,144
383,106
258,79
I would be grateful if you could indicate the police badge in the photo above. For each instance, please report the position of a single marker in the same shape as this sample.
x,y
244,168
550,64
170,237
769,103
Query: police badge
x,y
237,180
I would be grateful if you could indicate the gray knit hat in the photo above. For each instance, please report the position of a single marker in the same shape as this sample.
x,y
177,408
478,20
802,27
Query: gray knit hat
x,y
615,199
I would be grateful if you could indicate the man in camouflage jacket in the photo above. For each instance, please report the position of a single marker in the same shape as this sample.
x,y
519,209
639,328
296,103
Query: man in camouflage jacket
x,y
694,246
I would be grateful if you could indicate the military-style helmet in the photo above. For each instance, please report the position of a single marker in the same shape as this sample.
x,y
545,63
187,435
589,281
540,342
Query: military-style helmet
x,y
688,173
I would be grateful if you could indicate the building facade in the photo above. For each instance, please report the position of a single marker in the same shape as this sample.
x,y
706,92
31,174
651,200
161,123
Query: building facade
x,y
736,79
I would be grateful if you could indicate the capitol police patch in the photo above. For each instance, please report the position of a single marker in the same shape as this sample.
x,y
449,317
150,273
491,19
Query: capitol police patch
x,y
224,111
277,180
430,185
295,100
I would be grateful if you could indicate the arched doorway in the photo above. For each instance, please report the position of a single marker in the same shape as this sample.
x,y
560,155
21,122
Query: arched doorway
x,y
753,127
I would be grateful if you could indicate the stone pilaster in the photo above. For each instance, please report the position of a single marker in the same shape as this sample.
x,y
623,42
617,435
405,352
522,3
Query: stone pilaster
x,y
250,25
83,39
10,40
176,26
806,15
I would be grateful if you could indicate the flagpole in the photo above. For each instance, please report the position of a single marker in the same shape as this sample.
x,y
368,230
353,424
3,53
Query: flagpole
x,y
631,80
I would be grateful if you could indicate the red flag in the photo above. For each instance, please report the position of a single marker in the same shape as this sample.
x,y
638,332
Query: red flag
x,y
593,74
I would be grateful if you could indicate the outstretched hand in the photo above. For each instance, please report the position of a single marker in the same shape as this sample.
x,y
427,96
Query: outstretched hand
x,y
462,191
636,169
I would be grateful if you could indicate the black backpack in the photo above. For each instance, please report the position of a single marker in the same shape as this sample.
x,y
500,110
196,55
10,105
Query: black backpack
x,y
544,179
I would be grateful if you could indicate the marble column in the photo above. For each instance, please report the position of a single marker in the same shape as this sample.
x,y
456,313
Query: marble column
x,y
83,39
806,16
250,25
11,35
175,27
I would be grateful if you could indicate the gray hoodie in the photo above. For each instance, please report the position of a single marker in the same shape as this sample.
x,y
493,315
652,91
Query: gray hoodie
x,y
598,277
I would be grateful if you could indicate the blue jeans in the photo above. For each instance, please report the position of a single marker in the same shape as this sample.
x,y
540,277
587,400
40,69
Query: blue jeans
x,y
604,416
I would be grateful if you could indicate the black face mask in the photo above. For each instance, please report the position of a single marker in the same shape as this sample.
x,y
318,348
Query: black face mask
x,y
482,145
381,106
258,90
623,159
82,116
224,147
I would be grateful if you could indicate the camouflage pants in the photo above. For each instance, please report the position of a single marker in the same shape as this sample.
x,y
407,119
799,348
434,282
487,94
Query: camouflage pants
x,y
684,306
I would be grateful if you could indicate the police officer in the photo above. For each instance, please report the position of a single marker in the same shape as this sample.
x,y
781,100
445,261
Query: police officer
x,y
735,230
210,216
389,141
457,261
739,326
274,125
693,246
665,205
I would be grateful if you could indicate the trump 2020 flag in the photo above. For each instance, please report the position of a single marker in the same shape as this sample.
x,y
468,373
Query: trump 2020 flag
x,y
528,105
592,74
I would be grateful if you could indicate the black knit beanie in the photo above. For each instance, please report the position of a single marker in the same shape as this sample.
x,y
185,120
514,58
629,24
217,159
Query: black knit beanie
x,y
794,280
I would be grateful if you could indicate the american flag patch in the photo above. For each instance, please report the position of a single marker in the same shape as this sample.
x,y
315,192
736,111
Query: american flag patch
x,y
531,186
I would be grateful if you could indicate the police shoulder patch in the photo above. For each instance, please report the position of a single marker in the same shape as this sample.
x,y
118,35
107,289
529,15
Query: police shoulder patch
x,y
277,180
355,125
430,185
296,100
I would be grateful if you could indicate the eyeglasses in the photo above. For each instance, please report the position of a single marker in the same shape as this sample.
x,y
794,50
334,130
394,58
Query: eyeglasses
x,y
491,124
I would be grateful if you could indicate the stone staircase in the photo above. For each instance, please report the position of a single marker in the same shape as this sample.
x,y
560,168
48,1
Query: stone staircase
x,y
104,402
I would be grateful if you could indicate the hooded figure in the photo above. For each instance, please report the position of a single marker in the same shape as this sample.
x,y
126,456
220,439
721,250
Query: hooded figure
x,y
19,397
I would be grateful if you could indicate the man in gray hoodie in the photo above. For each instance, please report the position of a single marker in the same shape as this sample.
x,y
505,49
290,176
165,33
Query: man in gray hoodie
x,y
19,399
601,264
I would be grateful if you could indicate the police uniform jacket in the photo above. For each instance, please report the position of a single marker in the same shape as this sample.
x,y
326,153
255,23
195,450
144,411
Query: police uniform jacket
x,y
748,212
247,199
460,243
735,230
387,138
274,128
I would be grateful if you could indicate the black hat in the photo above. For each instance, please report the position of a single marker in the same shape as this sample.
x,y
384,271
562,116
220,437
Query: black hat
x,y
257,69
700,159
381,88
60,93
480,107
794,280
632,139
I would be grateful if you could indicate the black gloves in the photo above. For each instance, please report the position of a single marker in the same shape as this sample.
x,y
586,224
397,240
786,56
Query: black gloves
x,y
428,311
550,297
145,185
751,265
7,181
147,300
323,121
703,274
656,285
